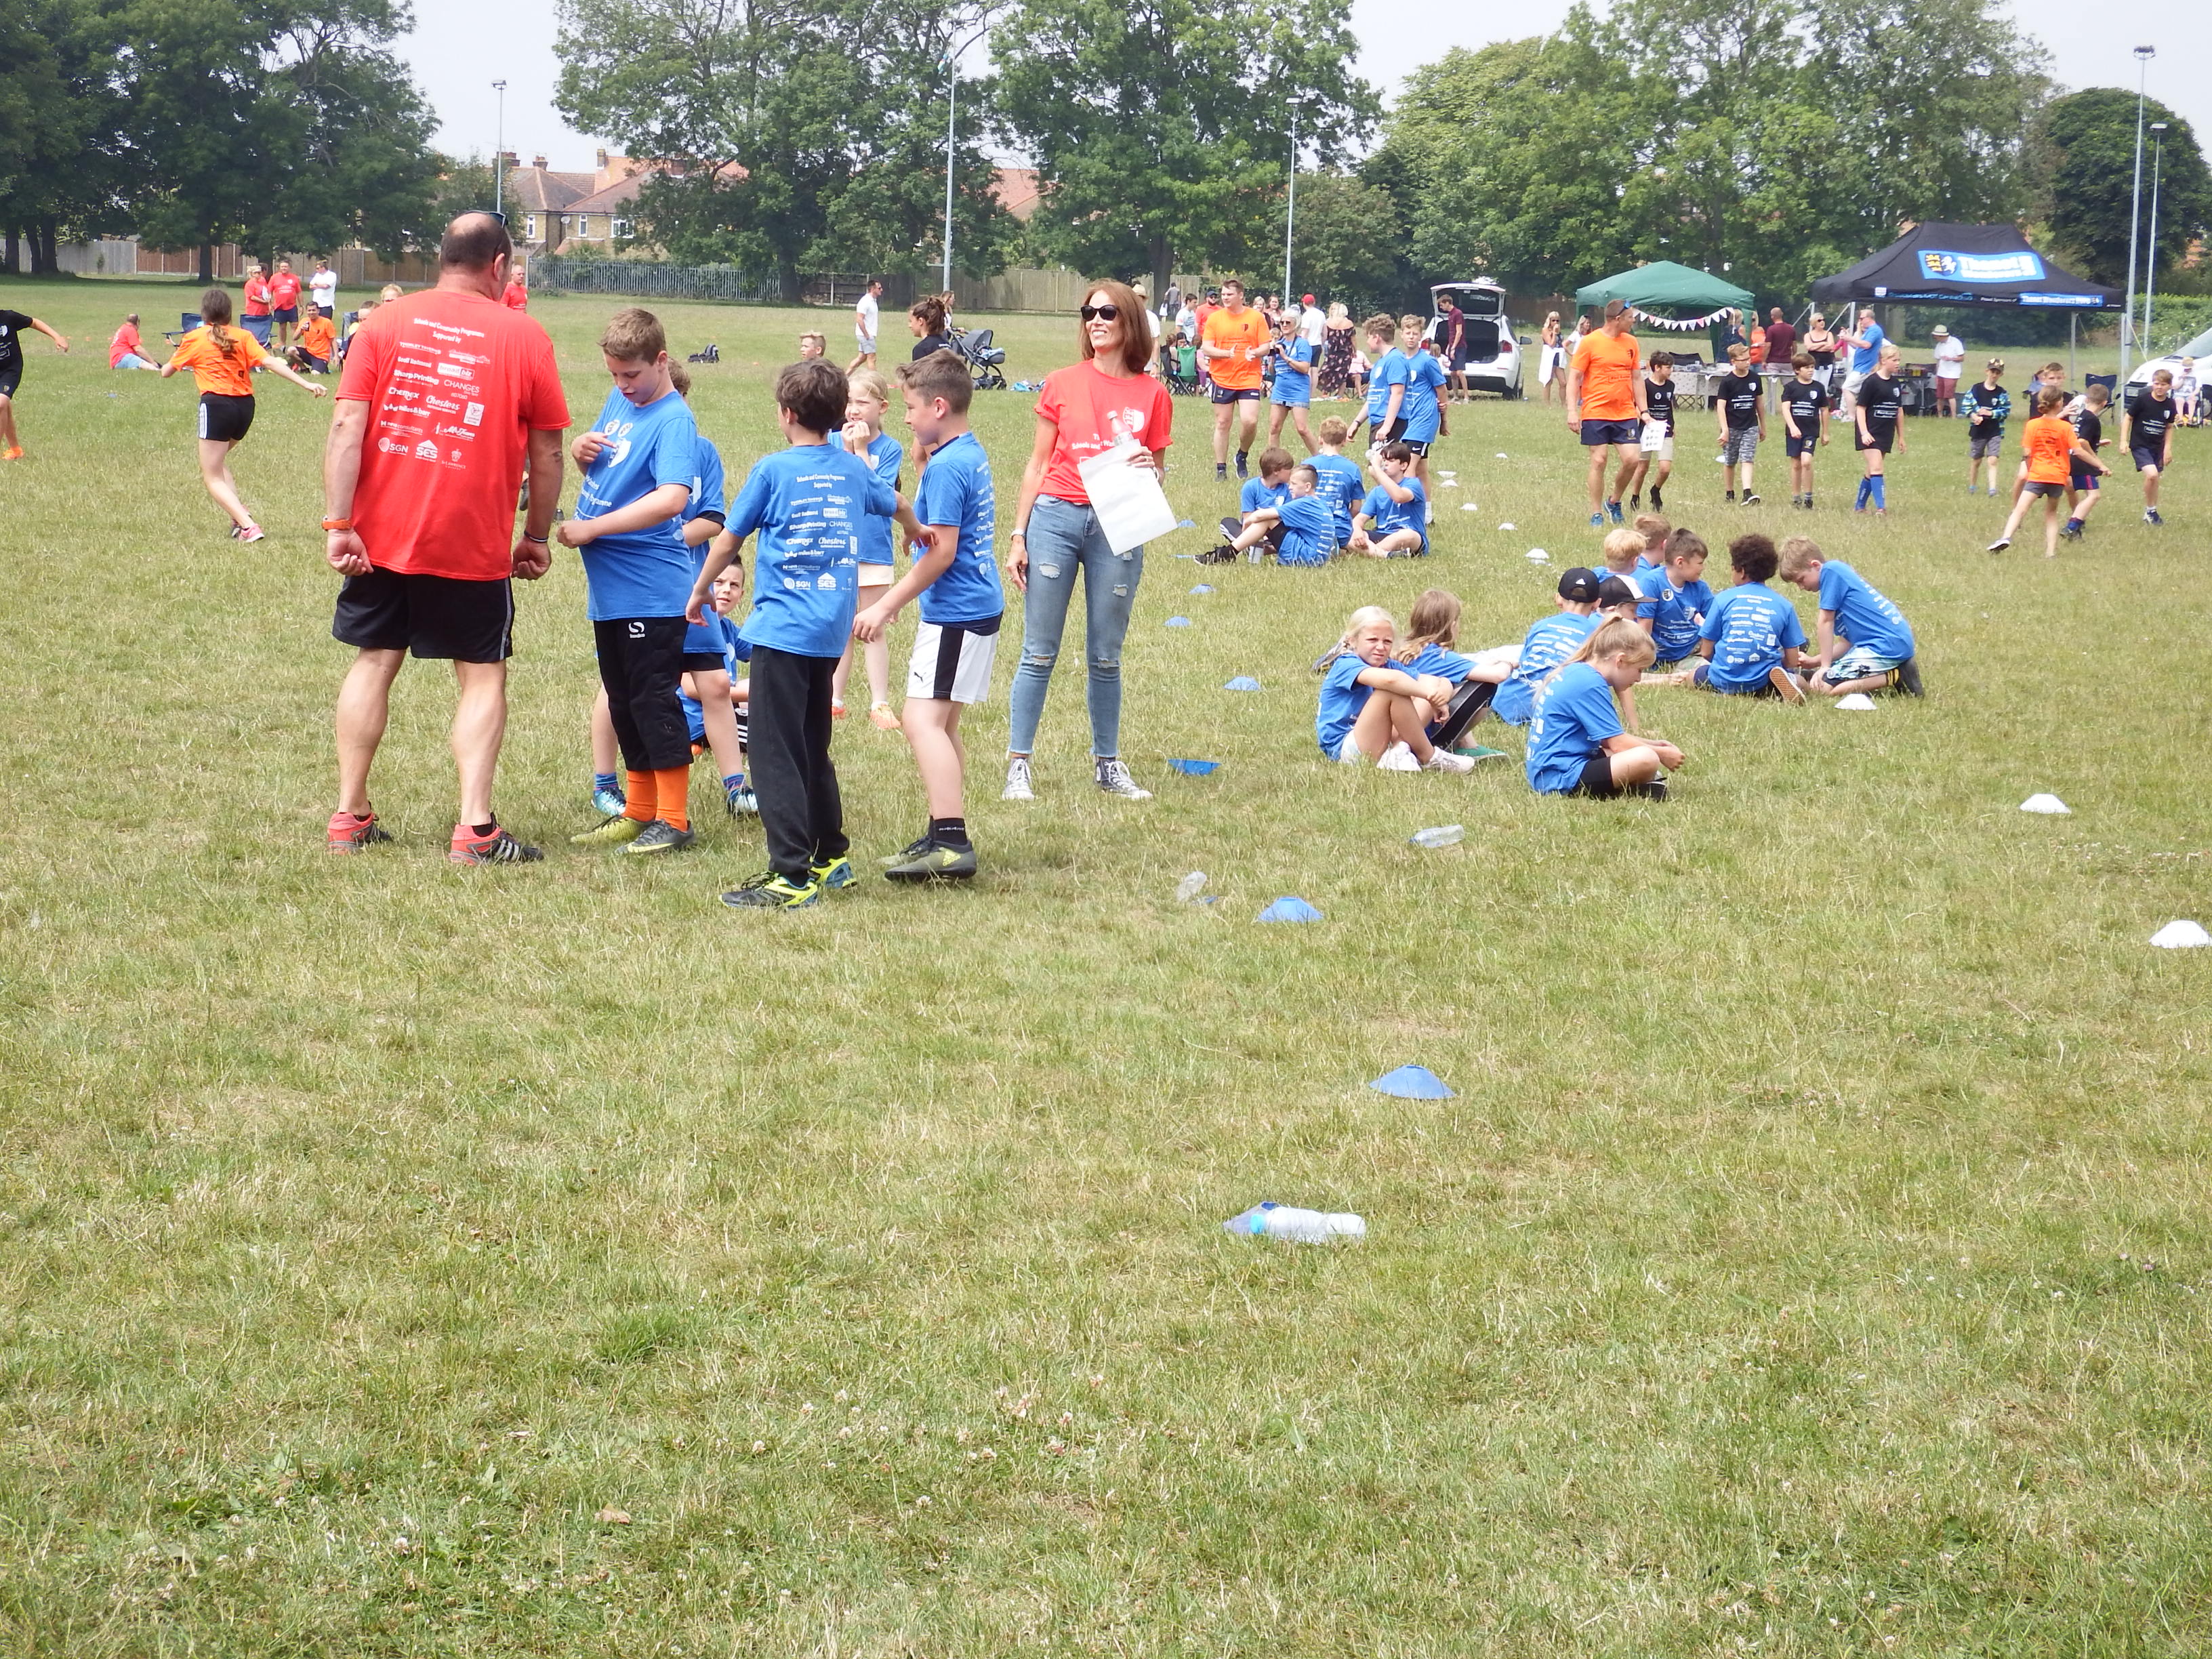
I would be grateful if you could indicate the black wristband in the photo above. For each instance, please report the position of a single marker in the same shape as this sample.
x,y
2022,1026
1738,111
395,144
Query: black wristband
x,y
540,540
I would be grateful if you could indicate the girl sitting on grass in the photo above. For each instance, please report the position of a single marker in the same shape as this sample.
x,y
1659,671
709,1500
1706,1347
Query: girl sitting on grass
x,y
1372,710
1576,745
1431,646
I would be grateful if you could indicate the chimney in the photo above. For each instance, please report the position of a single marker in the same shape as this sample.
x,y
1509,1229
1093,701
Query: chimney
x,y
603,161
537,161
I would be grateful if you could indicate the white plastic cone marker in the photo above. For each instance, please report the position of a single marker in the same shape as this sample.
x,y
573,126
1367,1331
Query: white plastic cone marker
x,y
2180,936
1537,556
1858,702
1508,527
1451,484
1470,506
2049,806
1501,454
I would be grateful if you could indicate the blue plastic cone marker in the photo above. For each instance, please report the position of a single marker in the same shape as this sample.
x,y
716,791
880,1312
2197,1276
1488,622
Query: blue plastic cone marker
x,y
1241,683
1186,523
1203,587
1178,622
1412,1083
1194,768
1290,909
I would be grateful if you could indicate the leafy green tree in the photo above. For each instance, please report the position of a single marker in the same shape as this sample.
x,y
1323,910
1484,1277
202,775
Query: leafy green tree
x,y
61,150
1347,241
1161,128
797,137
2089,141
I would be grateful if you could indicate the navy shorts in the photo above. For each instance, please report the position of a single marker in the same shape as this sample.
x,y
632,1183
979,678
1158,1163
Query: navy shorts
x,y
1596,433
286,314
2147,458
1792,448
2083,479
1237,394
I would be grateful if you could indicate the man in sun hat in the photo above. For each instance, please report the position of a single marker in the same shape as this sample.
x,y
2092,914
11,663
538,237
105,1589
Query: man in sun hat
x,y
1950,358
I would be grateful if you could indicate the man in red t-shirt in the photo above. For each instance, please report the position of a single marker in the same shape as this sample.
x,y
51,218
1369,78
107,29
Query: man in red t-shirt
x,y
445,394
284,303
517,295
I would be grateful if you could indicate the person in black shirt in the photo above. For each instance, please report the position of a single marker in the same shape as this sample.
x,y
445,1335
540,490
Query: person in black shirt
x,y
1803,398
1659,390
12,324
927,318
1987,405
2082,493
1880,401
2148,432
1741,413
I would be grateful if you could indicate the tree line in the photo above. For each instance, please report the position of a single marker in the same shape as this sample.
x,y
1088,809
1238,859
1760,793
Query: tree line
x,y
1773,141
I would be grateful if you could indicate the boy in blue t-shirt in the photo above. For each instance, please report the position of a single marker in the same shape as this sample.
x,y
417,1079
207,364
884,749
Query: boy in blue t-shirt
x,y
1338,479
1684,597
957,577
1548,643
1291,395
806,502
1385,370
1396,509
1412,413
1301,526
1257,497
1876,648
1576,745
641,465
1751,636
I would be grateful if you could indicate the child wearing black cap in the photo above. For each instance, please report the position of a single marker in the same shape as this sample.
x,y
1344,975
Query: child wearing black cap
x,y
1548,643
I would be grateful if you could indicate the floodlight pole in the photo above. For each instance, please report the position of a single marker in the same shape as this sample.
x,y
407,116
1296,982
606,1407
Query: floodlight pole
x,y
499,153
952,136
1290,218
2150,263
2143,55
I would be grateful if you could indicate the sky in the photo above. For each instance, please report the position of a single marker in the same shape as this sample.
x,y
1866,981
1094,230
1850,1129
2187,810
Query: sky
x,y
457,50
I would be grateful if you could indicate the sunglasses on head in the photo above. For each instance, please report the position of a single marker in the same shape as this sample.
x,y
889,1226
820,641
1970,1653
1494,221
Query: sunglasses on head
x,y
1099,313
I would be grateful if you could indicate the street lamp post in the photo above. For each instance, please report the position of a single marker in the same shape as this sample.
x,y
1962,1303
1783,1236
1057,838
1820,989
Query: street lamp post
x,y
499,153
2143,55
952,136
2150,261
1290,218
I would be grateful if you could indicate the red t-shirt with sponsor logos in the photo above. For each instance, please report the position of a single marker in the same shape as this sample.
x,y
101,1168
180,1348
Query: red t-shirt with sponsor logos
x,y
455,383
284,291
1095,411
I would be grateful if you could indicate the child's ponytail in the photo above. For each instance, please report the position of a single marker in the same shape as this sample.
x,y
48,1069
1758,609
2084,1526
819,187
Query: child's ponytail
x,y
215,313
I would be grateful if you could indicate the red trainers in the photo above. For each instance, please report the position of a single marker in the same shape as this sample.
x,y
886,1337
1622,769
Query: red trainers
x,y
349,834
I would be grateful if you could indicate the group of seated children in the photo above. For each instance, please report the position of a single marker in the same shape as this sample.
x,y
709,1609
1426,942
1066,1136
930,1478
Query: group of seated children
x,y
1306,513
1648,619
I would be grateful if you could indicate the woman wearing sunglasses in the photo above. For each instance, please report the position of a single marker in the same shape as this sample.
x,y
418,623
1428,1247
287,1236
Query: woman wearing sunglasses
x,y
1082,411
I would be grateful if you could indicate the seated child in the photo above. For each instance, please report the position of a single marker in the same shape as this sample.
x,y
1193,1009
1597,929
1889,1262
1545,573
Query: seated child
x,y
722,597
1338,480
1576,744
1397,510
317,345
1301,526
1265,492
1431,646
1548,643
1865,643
1621,554
1651,563
1751,636
1684,599
1372,710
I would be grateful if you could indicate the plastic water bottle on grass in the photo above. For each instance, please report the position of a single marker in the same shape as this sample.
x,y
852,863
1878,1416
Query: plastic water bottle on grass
x,y
1444,835
1272,1220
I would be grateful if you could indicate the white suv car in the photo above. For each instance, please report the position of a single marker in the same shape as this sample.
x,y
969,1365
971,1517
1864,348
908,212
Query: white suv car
x,y
1493,359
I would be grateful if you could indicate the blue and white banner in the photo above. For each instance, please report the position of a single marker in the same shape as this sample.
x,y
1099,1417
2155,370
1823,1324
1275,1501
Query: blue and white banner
x,y
2085,301
2025,266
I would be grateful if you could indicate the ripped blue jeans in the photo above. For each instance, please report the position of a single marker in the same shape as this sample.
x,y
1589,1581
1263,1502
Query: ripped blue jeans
x,y
1065,539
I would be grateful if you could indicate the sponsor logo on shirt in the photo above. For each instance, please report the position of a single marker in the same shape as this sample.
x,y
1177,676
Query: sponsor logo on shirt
x,y
474,415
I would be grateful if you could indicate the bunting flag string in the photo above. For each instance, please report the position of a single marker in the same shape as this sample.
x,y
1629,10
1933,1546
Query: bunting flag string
x,y
1679,324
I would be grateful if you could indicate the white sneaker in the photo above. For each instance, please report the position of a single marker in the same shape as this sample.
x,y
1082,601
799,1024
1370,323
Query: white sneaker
x,y
1442,760
1114,778
1017,780
1397,758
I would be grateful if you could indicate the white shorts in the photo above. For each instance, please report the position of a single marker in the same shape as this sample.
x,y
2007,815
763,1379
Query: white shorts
x,y
1349,751
1853,381
866,343
876,575
952,663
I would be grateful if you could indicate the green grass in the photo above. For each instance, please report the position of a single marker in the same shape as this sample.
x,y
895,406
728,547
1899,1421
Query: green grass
x,y
1811,1263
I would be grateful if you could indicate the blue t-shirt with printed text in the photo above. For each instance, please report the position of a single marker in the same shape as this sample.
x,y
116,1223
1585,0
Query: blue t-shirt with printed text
x,y
1750,625
1294,373
1573,716
1337,482
1548,642
1342,697
1257,493
1387,515
807,505
884,457
1420,411
956,489
1863,616
1676,617
649,572
1385,371
1309,531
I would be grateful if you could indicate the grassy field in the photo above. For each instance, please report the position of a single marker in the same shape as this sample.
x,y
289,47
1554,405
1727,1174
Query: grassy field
x,y
397,1260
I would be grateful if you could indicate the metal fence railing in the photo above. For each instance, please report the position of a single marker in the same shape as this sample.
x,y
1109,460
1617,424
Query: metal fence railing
x,y
651,279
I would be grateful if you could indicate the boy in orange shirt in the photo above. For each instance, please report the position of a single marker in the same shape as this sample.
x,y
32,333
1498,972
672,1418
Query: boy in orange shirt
x,y
2053,449
317,345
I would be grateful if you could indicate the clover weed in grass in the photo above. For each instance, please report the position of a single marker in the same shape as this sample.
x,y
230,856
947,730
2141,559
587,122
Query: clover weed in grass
x,y
1811,1261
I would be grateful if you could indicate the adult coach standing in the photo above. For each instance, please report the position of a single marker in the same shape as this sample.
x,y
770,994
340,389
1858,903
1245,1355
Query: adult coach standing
x,y
1605,406
445,394
1230,343
868,318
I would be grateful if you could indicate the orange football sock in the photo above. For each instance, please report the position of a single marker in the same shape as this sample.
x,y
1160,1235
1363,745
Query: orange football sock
x,y
638,787
673,787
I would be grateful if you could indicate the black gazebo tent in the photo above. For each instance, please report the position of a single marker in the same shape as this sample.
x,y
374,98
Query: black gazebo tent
x,y
1941,264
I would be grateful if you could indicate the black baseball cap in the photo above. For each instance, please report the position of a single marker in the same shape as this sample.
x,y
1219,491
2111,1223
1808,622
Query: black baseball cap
x,y
1616,590
1578,585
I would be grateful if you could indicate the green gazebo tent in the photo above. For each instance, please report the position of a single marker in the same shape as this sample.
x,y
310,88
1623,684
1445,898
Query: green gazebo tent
x,y
1664,283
